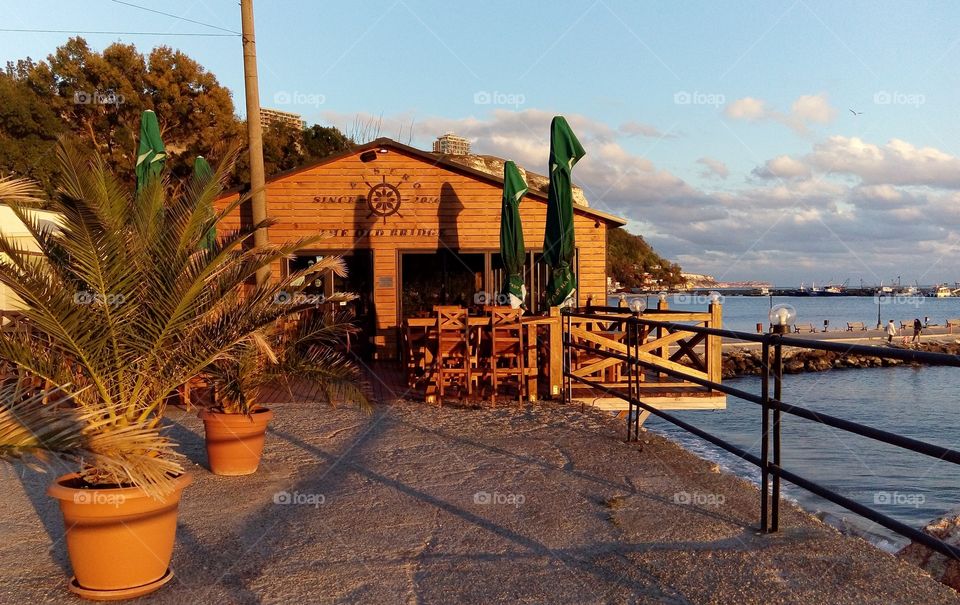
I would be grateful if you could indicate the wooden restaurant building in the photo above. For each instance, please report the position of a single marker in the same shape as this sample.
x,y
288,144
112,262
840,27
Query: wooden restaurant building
x,y
416,229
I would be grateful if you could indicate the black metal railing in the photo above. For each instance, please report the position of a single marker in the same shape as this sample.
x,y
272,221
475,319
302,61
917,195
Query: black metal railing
x,y
769,461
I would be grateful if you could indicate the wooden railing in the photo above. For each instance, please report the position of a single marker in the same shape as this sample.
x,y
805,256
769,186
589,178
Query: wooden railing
x,y
598,348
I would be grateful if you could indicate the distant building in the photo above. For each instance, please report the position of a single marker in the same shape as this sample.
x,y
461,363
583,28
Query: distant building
x,y
273,116
451,144
698,280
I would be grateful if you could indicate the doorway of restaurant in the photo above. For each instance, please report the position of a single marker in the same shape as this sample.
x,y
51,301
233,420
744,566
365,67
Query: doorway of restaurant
x,y
359,281
441,277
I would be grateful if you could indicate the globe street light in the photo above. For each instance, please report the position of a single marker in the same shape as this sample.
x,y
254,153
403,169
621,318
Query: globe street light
x,y
782,317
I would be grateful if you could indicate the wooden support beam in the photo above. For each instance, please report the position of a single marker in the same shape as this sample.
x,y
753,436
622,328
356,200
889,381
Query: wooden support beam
x,y
556,352
715,344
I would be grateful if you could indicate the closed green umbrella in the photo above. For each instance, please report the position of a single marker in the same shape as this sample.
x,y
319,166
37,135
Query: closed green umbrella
x,y
150,154
511,236
558,240
202,172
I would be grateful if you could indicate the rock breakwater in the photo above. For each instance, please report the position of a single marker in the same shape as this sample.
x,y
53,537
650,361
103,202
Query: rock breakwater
x,y
749,362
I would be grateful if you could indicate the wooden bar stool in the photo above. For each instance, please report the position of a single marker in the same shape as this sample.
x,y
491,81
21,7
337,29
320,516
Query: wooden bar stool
x,y
452,362
506,349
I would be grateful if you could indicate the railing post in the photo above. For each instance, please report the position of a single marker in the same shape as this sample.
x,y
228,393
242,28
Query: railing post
x,y
714,346
567,360
765,435
777,381
555,367
663,352
631,330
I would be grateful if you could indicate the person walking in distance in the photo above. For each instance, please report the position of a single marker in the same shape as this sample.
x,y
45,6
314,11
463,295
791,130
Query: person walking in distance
x,y
917,327
891,331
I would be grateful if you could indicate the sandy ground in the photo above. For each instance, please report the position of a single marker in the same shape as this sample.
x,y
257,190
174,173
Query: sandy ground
x,y
414,504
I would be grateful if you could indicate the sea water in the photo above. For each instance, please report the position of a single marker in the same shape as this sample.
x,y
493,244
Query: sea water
x,y
918,402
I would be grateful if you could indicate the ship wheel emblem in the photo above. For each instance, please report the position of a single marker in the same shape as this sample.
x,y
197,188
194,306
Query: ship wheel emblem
x,y
383,199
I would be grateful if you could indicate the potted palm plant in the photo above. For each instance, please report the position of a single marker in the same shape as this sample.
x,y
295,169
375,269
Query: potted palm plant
x,y
123,304
40,425
306,347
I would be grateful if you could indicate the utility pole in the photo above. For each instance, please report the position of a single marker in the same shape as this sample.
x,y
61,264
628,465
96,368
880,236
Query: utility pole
x,y
254,130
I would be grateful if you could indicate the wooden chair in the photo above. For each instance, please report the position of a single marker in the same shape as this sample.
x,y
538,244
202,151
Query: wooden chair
x,y
416,343
506,349
452,361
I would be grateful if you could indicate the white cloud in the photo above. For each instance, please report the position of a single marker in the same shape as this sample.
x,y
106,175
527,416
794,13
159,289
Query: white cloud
x,y
713,168
747,108
782,167
896,163
805,111
813,108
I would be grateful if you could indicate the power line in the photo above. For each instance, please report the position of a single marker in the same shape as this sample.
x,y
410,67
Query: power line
x,y
151,10
114,33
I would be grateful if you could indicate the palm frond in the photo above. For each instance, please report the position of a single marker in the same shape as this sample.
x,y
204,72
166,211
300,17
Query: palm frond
x,y
18,189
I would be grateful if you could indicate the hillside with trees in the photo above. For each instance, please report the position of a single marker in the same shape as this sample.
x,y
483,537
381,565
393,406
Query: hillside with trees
x,y
97,98
635,264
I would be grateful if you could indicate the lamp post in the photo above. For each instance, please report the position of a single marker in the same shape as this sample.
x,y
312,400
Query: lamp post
x,y
636,335
782,318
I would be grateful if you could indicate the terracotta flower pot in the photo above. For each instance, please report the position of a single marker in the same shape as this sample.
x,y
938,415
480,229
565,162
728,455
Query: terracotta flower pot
x,y
120,540
235,441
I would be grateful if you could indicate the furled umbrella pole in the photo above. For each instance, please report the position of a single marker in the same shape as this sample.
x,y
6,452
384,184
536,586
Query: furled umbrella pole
x,y
512,250
558,239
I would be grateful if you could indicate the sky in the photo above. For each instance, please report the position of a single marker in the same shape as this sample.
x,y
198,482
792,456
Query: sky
x,y
777,141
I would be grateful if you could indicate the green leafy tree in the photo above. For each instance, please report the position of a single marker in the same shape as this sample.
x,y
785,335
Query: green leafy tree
x,y
322,141
630,257
97,98
100,96
28,132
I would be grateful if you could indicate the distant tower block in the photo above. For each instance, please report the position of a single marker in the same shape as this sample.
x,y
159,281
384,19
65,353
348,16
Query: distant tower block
x,y
451,144
272,116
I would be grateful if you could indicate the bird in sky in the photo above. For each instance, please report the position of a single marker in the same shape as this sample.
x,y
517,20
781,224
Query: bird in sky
x,y
856,113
